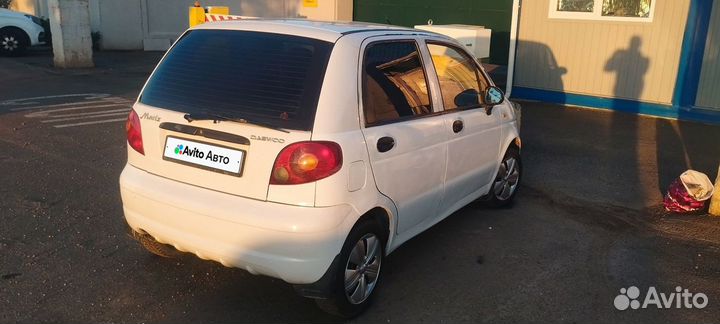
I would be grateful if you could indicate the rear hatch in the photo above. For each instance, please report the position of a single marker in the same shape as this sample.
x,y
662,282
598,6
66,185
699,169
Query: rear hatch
x,y
223,103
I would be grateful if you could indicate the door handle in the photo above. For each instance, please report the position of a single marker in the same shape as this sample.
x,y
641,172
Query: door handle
x,y
385,144
457,126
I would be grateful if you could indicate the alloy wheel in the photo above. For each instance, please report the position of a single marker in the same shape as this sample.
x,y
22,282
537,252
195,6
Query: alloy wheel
x,y
9,43
362,268
507,179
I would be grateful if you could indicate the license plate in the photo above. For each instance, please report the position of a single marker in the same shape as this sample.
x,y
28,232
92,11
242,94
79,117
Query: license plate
x,y
203,155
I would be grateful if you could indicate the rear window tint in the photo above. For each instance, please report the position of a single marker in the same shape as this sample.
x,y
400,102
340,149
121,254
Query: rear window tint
x,y
267,77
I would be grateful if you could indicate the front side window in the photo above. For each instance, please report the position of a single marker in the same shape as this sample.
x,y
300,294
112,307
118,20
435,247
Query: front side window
x,y
394,82
460,82
617,10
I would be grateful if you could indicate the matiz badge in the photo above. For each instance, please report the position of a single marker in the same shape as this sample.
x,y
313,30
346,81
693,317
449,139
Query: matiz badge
x,y
151,117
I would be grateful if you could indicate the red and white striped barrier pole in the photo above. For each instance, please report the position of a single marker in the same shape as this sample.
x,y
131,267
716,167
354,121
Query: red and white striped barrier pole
x,y
214,17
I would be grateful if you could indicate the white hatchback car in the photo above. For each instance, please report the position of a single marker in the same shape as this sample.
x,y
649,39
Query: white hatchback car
x,y
18,31
308,151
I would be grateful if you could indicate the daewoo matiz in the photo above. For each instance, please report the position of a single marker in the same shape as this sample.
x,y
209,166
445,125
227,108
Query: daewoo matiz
x,y
308,151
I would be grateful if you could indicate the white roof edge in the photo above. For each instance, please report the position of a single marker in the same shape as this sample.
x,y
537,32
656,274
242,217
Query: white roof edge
x,y
326,31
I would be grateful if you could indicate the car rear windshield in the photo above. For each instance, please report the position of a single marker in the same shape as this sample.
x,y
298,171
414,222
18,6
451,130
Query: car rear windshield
x,y
262,77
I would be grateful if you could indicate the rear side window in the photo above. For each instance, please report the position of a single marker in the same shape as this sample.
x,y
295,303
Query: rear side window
x,y
267,77
394,82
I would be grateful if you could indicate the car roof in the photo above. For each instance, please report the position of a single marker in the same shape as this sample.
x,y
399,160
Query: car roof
x,y
325,30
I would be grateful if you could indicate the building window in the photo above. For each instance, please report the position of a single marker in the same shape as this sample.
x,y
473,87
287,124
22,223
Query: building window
x,y
612,10
575,5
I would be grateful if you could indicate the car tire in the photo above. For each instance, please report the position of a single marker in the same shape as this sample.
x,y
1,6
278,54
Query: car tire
x,y
13,42
507,180
155,247
363,253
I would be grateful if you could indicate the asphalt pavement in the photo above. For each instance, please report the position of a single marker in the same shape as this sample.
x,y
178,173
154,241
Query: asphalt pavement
x,y
587,222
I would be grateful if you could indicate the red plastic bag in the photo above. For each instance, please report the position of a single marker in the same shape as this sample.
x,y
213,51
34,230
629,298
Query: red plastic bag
x,y
688,193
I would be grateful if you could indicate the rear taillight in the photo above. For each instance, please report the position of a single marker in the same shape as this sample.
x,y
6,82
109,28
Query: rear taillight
x,y
305,162
134,134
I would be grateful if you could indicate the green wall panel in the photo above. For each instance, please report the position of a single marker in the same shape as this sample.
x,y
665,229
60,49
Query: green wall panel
x,y
493,14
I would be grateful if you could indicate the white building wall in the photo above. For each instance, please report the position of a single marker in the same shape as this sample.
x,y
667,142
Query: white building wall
x,y
119,23
33,7
156,24
574,56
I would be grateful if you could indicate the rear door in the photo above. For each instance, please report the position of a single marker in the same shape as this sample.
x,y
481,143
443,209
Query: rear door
x,y
474,136
404,135
269,82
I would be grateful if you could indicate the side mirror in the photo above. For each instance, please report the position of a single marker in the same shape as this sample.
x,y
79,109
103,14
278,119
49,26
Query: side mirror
x,y
467,98
491,97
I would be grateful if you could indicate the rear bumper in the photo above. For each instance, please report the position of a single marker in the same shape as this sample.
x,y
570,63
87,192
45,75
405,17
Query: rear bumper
x,y
293,243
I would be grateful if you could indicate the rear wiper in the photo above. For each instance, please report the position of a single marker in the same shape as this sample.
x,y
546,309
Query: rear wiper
x,y
217,118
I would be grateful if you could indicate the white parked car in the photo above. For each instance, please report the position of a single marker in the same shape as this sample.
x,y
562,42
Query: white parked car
x,y
18,31
308,151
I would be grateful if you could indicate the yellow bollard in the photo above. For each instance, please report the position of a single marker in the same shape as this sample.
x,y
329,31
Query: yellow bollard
x,y
715,200
197,16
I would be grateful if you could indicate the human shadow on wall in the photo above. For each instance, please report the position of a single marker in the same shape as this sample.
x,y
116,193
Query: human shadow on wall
x,y
629,66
